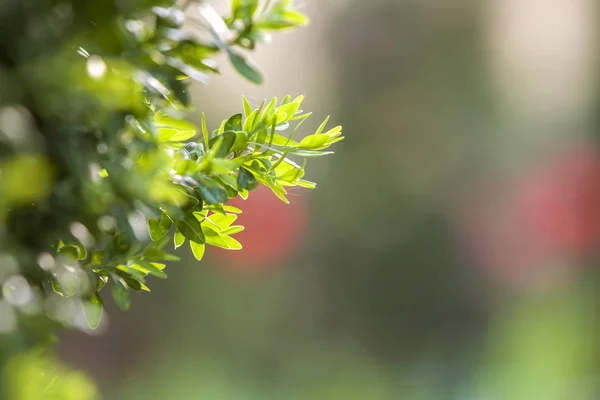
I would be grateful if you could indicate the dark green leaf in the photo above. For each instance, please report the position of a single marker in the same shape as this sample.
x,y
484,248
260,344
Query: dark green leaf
x,y
246,179
190,228
234,123
227,140
211,190
246,68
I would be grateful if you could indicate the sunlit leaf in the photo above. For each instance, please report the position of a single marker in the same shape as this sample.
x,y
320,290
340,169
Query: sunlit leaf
x,y
198,250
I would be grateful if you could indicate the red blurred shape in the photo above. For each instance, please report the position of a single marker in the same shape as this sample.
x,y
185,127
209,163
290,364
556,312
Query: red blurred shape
x,y
562,203
549,217
273,230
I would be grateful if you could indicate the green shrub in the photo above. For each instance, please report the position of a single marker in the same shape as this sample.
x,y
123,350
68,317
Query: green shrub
x,y
99,168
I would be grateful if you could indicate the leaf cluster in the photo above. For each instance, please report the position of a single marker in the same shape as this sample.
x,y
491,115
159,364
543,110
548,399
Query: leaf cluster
x,y
106,169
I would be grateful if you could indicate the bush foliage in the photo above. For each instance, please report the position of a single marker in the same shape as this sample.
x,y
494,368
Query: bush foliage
x,y
99,167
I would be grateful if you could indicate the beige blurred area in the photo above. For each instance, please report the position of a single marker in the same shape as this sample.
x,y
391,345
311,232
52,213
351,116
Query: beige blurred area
x,y
450,250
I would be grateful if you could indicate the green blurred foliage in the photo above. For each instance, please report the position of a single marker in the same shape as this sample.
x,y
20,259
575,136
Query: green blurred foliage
x,y
36,375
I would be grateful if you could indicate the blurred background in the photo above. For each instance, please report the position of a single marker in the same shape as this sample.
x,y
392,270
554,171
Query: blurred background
x,y
451,248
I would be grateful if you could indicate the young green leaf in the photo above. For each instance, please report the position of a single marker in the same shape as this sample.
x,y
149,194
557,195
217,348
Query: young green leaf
x,y
198,250
205,133
232,230
313,142
178,239
289,109
322,126
232,209
150,268
247,107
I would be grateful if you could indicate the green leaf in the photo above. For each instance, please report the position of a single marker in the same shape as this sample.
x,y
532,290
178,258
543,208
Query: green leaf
x,y
250,121
246,67
244,9
120,295
225,141
222,221
282,19
322,126
269,110
292,175
246,179
173,135
241,142
232,230
205,133
279,140
92,309
247,108
124,275
314,142
223,241
289,109
234,123
190,228
211,190
306,184
260,139
334,132
232,244
309,153
158,255
230,182
232,209
159,228
178,239
198,250
150,268
172,130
